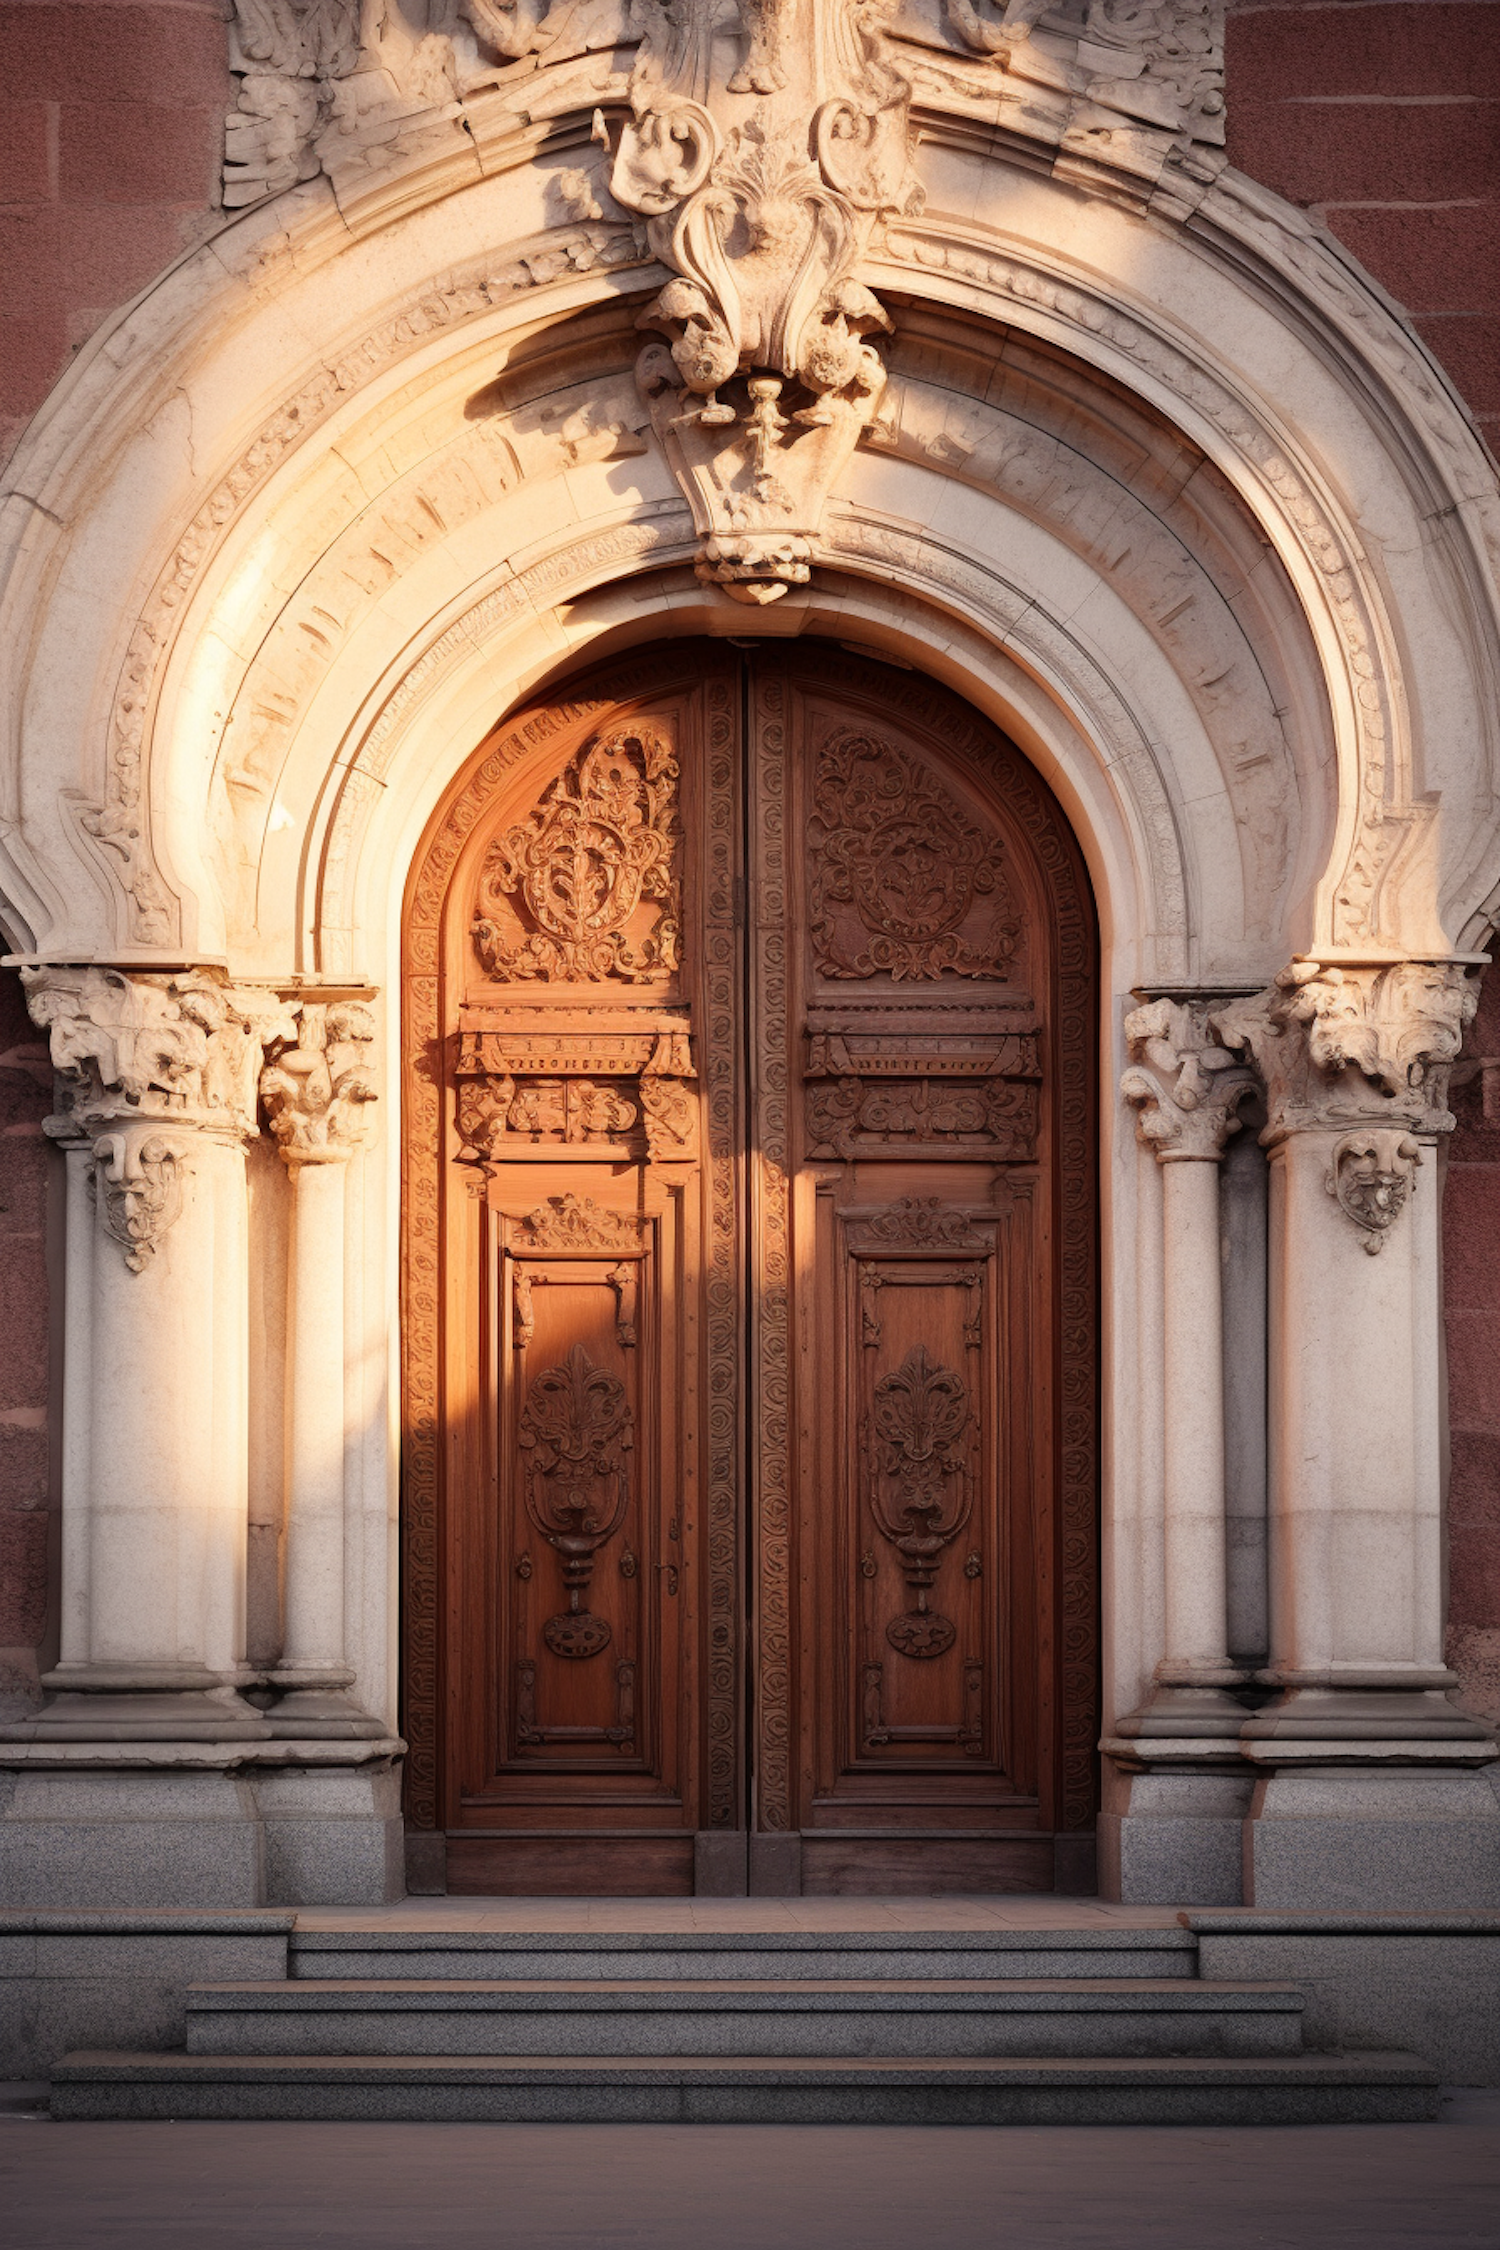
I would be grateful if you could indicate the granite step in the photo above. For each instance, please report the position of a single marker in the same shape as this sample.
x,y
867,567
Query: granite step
x,y
801,2017
619,1955
730,2090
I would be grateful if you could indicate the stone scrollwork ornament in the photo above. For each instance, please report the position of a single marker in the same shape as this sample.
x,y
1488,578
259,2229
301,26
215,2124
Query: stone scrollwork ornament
x,y
138,1191
761,184
1372,1175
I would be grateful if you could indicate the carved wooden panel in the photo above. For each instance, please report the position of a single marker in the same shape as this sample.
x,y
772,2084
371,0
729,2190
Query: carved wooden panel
x,y
749,1232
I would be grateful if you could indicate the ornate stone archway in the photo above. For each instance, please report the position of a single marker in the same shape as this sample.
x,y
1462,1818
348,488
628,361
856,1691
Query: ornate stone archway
x,y
1006,377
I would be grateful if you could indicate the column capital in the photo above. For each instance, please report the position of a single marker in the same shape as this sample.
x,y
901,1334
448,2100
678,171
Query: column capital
x,y
1355,1050
1185,1085
318,1083
180,1047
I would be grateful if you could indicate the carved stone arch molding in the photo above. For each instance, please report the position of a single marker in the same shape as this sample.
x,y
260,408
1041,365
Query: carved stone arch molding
x,y
254,426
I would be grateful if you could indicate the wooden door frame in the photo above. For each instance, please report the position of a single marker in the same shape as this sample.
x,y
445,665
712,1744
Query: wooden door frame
x,y
1075,1546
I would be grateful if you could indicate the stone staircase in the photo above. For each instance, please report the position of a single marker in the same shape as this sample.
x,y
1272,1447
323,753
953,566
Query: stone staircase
x,y
911,2026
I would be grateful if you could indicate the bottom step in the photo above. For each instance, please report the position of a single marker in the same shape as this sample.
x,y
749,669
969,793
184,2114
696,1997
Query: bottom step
x,y
533,2090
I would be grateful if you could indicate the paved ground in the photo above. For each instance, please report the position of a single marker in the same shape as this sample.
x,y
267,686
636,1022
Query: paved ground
x,y
612,2187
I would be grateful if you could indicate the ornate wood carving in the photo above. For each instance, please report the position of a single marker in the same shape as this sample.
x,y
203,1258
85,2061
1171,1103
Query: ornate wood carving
x,y
576,1222
904,884
920,1485
576,1434
563,894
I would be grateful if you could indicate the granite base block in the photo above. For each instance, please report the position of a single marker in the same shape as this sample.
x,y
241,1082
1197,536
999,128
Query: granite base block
x,y
115,1978
1435,1993
1373,1842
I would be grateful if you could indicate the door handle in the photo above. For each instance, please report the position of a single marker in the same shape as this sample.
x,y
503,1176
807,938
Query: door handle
x,y
670,1569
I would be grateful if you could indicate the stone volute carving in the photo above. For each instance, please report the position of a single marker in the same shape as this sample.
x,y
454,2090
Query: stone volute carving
x,y
318,1085
135,1053
1365,1051
1185,1086
761,185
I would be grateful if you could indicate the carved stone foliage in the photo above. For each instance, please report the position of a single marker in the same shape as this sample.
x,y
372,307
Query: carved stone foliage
x,y
920,1485
1185,1086
1355,1046
330,82
576,1434
318,1085
137,1190
1372,1174
761,184
903,882
184,1046
585,888
1161,61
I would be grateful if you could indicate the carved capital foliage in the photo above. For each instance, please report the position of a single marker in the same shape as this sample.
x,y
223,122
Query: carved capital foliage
x,y
1185,1086
1355,1046
318,1084
183,1047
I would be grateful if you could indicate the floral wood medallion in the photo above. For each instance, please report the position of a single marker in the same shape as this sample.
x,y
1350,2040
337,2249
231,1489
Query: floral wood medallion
x,y
904,884
585,887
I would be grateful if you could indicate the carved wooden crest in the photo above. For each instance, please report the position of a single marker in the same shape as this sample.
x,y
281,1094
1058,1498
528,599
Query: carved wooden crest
x,y
585,887
904,883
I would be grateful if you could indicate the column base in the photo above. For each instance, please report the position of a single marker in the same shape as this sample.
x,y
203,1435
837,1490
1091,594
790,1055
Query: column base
x,y
1352,1717
320,1714
1374,1840
1190,1710
105,1712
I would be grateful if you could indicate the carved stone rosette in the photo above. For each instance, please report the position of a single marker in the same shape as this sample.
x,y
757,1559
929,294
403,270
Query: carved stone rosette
x,y
1186,1088
1365,1052
137,1052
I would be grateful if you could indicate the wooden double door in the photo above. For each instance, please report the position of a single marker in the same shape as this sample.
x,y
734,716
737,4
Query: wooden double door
x,y
750,1301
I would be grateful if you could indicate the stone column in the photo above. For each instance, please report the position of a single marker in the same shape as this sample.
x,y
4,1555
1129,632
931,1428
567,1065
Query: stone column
x,y
1171,1822
1366,1800
156,1090
316,1090
1187,1089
